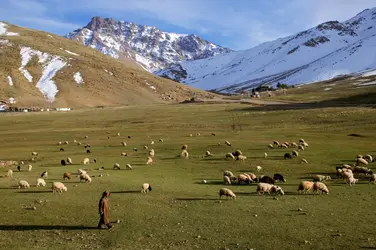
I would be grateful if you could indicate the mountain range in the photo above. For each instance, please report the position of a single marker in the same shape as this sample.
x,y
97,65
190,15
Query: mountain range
x,y
326,51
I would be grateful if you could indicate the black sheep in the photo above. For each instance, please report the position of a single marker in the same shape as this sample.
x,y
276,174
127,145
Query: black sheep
x,y
129,137
213,134
63,162
95,160
288,156
19,168
267,179
88,151
279,177
61,149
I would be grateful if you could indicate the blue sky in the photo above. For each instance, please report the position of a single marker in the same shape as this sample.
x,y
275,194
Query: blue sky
x,y
238,24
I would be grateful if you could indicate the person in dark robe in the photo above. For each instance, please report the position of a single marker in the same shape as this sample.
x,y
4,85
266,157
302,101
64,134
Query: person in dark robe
x,y
104,207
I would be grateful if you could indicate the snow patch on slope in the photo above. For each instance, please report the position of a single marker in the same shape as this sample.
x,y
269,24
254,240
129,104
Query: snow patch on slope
x,y
46,85
10,80
4,32
78,78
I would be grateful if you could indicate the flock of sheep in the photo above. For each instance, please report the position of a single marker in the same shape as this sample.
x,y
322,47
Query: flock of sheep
x,y
266,184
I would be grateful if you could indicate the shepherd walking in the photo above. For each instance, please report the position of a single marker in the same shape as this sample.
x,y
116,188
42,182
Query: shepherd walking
x,y
104,207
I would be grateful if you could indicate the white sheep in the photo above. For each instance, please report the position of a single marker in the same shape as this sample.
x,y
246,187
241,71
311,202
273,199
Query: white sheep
x,y
58,187
146,147
81,171
151,153
30,167
34,154
44,174
228,143
228,173
369,158
270,146
241,157
69,161
301,140
361,161
123,154
123,143
373,179
23,184
128,166
304,161
41,182
269,188
118,134
304,144
85,177
86,161
66,142
300,148
230,156
207,153
320,187
116,166
351,180
149,161
258,168
227,192
244,178
59,143
293,144
265,155
321,178
305,186
226,180
145,188
184,154
10,173
161,140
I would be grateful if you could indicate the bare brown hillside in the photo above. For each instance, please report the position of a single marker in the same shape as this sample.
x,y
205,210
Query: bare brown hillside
x,y
106,81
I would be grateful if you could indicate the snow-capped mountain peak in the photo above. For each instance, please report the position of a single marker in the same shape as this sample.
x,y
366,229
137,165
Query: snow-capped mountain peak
x,y
152,48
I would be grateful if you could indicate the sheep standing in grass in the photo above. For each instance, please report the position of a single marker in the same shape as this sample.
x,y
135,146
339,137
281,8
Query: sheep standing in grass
x,y
207,153
230,156
305,186
373,179
241,158
30,168
41,182
66,176
321,178
184,147
85,177
10,173
228,143
23,184
128,166
300,148
265,155
287,156
295,153
66,142
351,180
242,178
151,153
304,161
69,161
279,177
228,173
369,158
81,171
267,179
304,144
268,188
320,187
86,161
270,146
294,145
226,192
123,143
226,180
44,174
34,154
63,163
116,166
123,154
145,188
184,154
58,187
258,168
149,161
276,143
361,161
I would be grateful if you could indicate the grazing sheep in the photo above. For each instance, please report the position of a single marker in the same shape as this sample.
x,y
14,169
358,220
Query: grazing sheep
x,y
128,166
304,144
300,148
10,173
276,143
88,151
268,188
146,147
258,168
361,161
369,158
129,137
30,167
241,157
152,143
86,161
265,155
118,134
116,166
94,160
69,161
59,143
228,173
184,147
44,174
304,161
213,134
86,137
123,143
321,178
320,187
145,188
135,149
283,145
58,187
66,176
253,177
242,178
230,156
87,146
233,179
207,153
74,141
34,154
237,153
287,156
19,168
32,158
63,163
149,161
184,154
295,153
305,186
227,192
228,143
279,177
66,142
22,162
61,149
351,180
41,182
226,180
123,154
85,177
294,144
79,143
270,146
23,184
267,179
373,179
301,140
160,140
81,171
151,153
198,134
190,135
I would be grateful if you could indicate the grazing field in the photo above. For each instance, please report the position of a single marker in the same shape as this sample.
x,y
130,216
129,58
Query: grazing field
x,y
180,212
